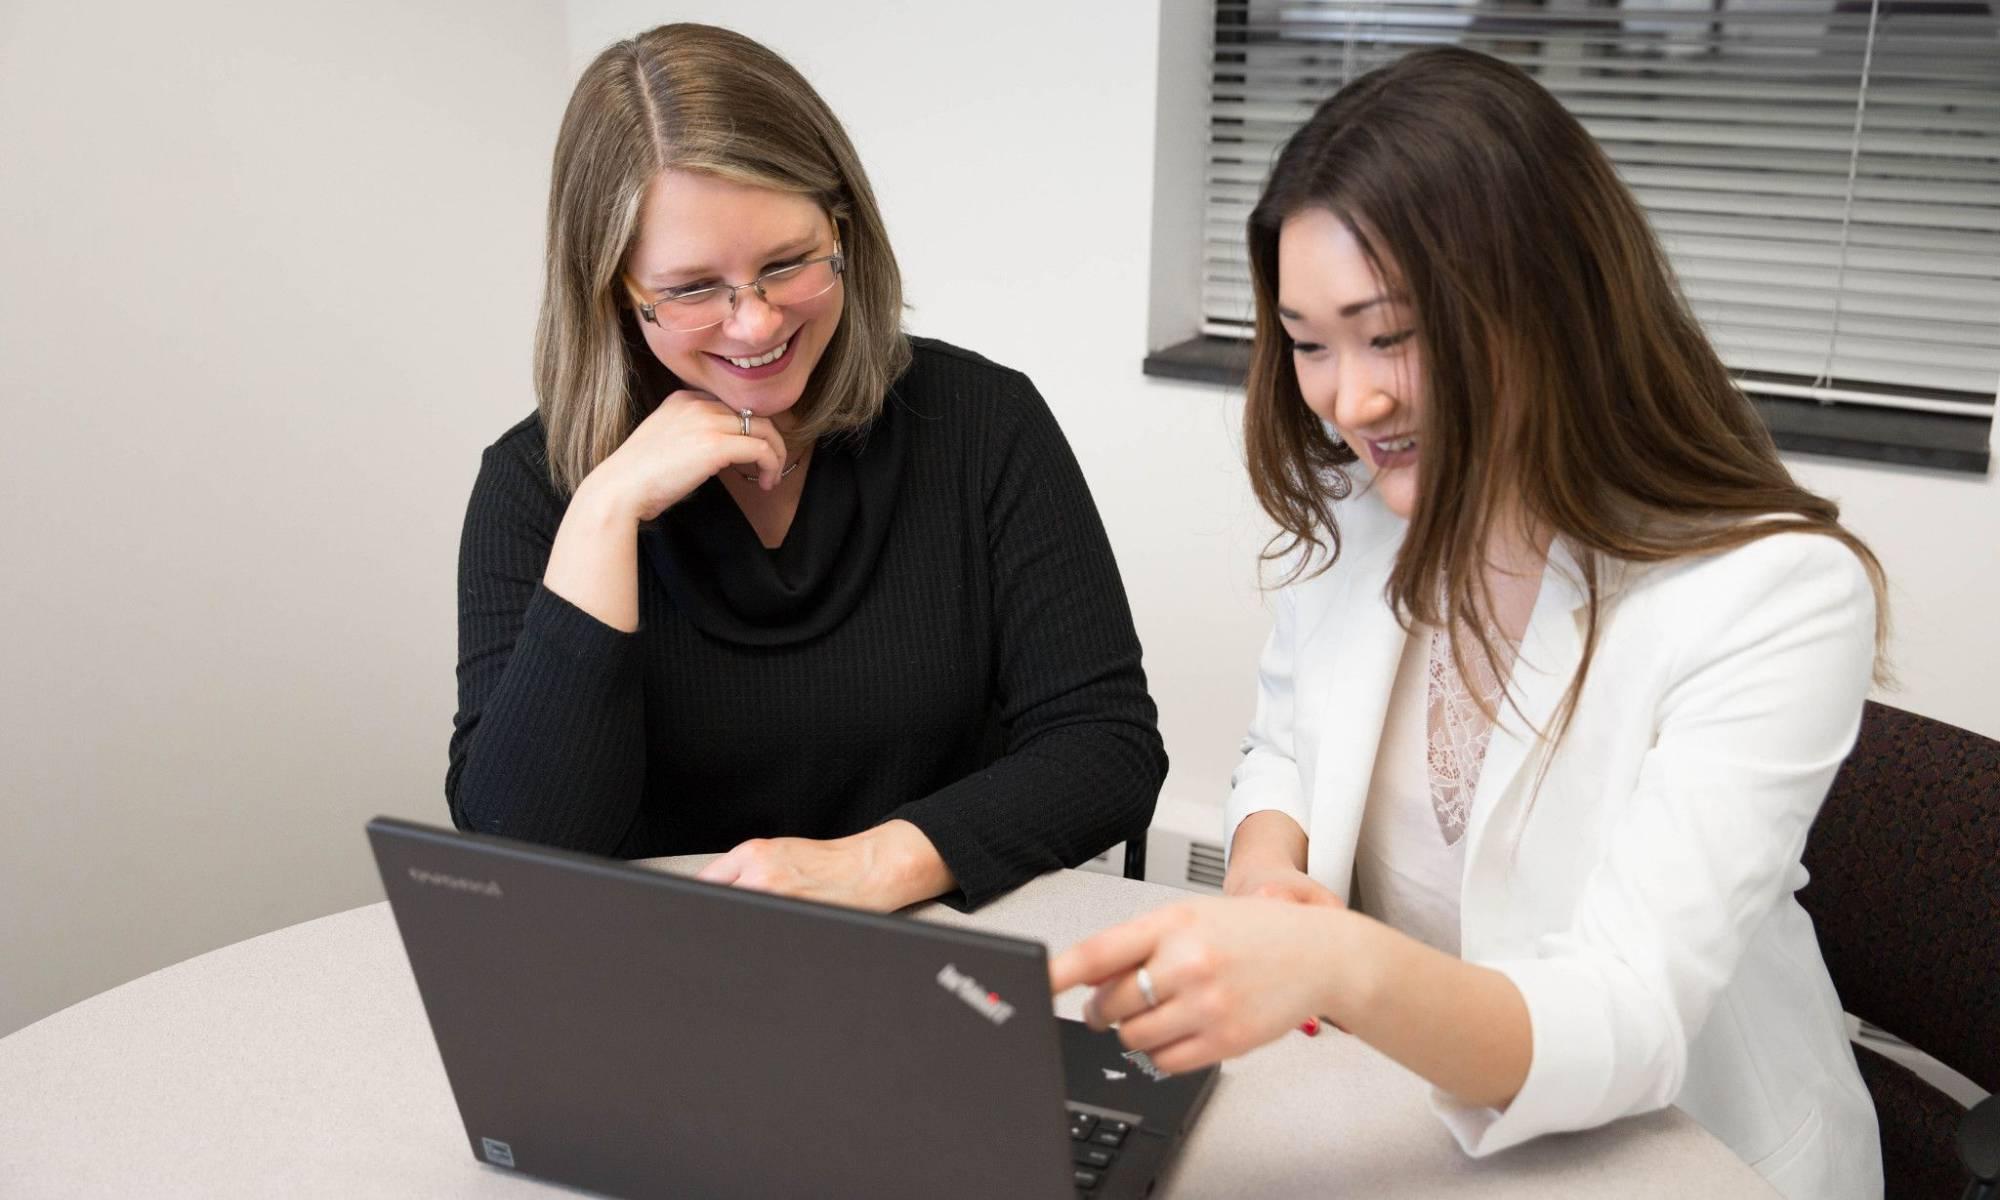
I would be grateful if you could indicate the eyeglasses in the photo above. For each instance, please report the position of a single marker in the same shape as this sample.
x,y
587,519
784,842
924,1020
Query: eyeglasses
x,y
708,305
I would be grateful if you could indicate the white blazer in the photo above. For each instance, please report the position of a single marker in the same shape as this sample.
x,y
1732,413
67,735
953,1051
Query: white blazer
x,y
1642,899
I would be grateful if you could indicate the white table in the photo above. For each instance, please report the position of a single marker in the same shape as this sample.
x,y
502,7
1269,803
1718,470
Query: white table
x,y
300,1064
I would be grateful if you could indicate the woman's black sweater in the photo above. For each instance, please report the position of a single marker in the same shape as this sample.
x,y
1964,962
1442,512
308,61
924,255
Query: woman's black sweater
x,y
942,637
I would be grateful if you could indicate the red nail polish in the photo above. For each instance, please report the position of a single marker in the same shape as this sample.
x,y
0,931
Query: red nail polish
x,y
1309,1026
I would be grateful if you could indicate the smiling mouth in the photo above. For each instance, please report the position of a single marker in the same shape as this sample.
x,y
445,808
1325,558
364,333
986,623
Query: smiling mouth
x,y
1396,445
769,356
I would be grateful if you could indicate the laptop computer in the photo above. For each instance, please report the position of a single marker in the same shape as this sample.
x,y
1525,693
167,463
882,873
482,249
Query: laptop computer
x,y
635,1033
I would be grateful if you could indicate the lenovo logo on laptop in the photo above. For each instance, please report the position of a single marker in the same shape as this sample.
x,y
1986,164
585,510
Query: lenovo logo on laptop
x,y
965,987
489,887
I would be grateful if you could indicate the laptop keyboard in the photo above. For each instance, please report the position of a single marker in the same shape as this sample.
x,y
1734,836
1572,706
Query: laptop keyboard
x,y
1094,1143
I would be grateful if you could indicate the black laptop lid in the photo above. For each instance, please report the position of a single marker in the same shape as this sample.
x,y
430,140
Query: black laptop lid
x,y
640,1034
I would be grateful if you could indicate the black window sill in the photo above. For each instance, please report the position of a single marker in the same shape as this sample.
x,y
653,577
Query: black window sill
x,y
1202,360
1936,441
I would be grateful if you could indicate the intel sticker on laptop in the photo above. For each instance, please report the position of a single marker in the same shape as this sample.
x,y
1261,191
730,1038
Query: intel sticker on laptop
x,y
499,1153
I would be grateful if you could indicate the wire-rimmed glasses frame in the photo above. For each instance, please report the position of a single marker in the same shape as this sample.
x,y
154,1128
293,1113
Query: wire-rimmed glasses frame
x,y
654,310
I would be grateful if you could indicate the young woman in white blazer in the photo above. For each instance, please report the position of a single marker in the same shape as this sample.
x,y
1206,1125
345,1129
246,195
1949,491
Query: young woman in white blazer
x,y
1562,669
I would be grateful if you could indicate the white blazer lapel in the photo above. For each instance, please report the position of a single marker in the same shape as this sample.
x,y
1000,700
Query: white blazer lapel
x,y
1359,653
1551,648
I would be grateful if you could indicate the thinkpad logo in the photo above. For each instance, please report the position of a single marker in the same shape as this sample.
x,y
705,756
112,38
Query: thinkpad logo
x,y
1139,1059
456,883
965,987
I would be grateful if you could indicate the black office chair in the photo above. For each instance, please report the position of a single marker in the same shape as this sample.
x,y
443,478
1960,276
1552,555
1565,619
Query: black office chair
x,y
1135,857
1905,895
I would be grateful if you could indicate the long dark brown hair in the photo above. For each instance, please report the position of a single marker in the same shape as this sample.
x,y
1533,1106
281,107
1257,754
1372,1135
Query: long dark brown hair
x,y
1565,377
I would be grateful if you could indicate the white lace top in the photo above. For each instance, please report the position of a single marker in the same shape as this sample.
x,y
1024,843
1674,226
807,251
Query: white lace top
x,y
1457,730
1410,863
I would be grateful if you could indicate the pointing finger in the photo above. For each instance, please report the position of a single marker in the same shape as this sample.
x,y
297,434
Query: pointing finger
x,y
1102,955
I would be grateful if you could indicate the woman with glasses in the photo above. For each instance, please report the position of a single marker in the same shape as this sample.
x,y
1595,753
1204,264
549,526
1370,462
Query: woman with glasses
x,y
763,575
1563,669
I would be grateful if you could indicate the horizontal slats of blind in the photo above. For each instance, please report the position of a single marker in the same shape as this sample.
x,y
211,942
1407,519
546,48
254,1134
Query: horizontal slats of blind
x,y
1733,121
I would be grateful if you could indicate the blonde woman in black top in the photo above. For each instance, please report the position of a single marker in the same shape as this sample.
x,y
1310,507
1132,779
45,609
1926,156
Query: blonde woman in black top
x,y
763,575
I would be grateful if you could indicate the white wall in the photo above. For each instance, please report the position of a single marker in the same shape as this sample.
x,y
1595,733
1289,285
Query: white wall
x,y
268,287
269,280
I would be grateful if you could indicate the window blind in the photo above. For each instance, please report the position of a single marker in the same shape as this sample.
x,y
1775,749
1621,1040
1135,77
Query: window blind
x,y
1824,174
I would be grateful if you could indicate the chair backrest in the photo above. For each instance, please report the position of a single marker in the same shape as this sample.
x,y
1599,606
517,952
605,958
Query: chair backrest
x,y
1905,887
1905,896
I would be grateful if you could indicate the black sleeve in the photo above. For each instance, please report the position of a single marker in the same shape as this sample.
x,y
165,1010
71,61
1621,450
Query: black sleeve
x,y
1084,761
548,744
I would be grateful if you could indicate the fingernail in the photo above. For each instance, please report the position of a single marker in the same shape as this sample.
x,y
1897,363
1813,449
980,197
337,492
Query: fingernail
x,y
1309,1027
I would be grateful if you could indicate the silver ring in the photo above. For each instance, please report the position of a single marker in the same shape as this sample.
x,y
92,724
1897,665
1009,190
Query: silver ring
x,y
1145,980
745,414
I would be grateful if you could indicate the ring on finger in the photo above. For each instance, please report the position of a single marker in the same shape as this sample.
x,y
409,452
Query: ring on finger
x,y
1144,978
745,414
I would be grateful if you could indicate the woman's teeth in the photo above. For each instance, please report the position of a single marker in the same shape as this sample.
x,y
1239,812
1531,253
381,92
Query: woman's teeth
x,y
1397,445
760,360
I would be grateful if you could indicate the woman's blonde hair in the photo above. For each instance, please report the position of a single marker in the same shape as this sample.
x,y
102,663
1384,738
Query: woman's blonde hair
x,y
695,98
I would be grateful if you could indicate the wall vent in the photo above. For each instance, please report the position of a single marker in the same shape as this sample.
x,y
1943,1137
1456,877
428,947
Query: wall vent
x,y
1204,864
